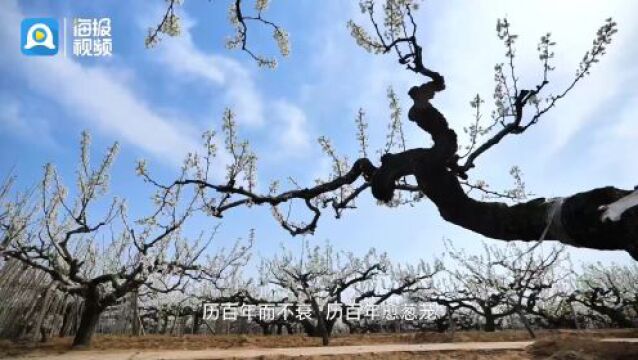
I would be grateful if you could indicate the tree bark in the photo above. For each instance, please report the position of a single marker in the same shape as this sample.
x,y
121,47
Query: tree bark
x,y
89,320
490,323
450,315
66,319
135,316
88,323
322,327
44,306
164,321
265,330
574,316
490,319
526,323
616,316
289,329
196,322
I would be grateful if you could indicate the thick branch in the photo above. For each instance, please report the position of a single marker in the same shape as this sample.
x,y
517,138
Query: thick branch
x,y
576,220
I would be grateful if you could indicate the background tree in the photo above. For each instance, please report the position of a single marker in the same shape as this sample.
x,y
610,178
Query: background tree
x,y
555,309
319,278
497,284
239,17
327,281
611,291
395,287
54,231
243,291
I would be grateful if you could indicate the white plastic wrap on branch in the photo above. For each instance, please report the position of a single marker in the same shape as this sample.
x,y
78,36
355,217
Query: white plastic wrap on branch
x,y
614,211
555,224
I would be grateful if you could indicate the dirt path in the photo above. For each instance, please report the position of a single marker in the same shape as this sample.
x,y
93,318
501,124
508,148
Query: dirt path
x,y
299,351
251,353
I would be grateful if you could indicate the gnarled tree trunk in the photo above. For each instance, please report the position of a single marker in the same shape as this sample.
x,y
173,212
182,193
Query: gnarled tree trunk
x,y
490,321
89,320
575,220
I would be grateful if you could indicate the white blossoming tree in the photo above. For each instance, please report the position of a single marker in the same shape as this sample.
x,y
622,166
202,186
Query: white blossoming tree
x,y
240,17
610,291
501,282
102,258
322,279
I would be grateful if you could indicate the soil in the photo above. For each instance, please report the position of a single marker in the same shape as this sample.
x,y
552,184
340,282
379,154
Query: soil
x,y
555,345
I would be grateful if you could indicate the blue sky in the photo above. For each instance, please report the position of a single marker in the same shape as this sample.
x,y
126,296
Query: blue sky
x,y
156,102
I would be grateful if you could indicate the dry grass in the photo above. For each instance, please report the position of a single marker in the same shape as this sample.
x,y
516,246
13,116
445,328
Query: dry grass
x,y
582,348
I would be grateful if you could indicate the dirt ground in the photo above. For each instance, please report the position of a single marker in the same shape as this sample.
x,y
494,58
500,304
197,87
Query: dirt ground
x,y
555,345
444,355
569,348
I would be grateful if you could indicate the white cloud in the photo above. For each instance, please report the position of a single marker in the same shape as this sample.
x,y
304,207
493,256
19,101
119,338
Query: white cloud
x,y
238,87
563,161
287,123
467,57
614,147
101,95
98,96
460,41
13,120
293,137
